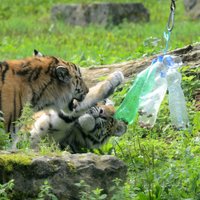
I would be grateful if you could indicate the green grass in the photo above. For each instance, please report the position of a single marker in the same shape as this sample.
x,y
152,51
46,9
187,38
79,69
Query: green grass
x,y
163,163
27,25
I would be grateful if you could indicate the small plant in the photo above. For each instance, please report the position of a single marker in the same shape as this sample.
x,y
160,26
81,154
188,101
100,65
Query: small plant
x,y
46,192
4,137
24,122
26,117
48,146
6,189
87,193
118,190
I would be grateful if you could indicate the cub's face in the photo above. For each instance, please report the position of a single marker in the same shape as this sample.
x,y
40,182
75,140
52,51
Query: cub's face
x,y
103,117
114,127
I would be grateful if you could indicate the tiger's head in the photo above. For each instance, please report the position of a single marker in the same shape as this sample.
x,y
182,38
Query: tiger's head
x,y
103,114
62,81
113,127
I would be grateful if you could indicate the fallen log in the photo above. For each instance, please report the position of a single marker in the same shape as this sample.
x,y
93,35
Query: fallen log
x,y
190,56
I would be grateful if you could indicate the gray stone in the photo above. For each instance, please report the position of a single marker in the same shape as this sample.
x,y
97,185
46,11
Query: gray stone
x,y
100,13
62,172
193,8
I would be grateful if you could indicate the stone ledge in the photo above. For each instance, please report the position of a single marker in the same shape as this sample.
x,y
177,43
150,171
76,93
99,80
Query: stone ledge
x,y
62,172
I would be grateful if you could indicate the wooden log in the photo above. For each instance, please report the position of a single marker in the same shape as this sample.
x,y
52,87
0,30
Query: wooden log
x,y
190,56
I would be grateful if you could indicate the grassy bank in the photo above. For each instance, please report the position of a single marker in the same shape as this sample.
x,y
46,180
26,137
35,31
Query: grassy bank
x,y
163,163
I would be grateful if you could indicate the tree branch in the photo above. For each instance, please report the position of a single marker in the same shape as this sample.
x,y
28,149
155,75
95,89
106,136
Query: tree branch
x,y
190,56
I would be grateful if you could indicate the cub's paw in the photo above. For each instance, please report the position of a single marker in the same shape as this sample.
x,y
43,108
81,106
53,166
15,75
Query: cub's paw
x,y
86,122
116,78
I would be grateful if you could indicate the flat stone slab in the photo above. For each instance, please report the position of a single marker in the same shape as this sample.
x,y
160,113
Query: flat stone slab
x,y
100,13
62,172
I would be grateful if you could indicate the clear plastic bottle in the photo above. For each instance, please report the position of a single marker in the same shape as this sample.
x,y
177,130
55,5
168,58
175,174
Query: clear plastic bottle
x,y
150,103
149,108
177,104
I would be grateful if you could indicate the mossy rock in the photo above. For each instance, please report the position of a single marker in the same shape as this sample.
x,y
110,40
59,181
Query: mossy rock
x,y
30,171
9,161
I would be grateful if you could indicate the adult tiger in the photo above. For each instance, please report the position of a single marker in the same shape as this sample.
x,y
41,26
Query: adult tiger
x,y
42,81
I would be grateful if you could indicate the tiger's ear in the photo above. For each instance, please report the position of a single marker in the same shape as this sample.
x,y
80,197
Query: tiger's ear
x,y
62,74
37,53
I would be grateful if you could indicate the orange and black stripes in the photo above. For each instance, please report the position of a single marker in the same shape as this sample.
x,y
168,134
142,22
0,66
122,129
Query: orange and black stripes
x,y
35,80
37,96
4,67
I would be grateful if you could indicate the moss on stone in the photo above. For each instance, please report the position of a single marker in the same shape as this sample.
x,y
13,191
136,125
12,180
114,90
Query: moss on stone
x,y
7,161
71,167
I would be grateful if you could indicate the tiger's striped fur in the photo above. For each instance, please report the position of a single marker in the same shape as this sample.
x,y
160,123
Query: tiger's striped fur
x,y
69,129
42,81
93,129
90,130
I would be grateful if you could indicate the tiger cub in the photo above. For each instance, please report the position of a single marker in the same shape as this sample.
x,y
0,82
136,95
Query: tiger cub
x,y
60,125
42,81
92,129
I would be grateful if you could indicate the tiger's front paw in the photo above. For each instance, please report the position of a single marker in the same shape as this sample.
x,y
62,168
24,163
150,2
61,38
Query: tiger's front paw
x,y
87,122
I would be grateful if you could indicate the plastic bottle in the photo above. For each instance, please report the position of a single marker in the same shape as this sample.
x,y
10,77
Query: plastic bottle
x,y
128,109
177,104
150,103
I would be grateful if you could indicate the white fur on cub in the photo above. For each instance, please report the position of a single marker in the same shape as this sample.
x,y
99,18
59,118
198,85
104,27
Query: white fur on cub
x,y
48,122
86,122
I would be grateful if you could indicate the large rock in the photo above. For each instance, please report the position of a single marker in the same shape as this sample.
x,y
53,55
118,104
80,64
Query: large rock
x,y
62,172
100,13
193,8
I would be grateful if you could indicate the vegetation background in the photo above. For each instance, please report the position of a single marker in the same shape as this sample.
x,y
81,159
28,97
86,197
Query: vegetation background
x,y
163,163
